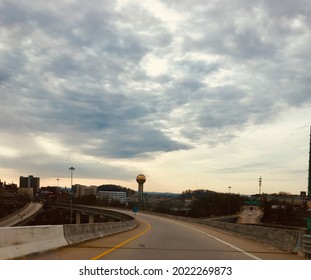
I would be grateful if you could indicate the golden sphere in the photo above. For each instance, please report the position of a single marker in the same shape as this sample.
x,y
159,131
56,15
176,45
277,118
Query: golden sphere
x,y
141,179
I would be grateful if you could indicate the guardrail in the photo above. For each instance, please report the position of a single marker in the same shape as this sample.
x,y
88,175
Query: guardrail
x,y
306,245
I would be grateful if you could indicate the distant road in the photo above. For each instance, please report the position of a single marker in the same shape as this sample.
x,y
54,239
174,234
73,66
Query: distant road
x,y
250,215
23,214
158,238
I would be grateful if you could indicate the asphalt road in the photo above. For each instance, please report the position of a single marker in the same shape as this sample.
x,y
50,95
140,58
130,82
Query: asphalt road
x,y
250,215
158,238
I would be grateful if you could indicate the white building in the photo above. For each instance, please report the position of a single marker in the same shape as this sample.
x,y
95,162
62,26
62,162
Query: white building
x,y
111,195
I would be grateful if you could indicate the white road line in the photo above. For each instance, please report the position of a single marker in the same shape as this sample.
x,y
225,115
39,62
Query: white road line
x,y
224,242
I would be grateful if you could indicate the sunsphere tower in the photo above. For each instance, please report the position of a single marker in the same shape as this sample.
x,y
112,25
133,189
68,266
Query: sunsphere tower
x,y
141,179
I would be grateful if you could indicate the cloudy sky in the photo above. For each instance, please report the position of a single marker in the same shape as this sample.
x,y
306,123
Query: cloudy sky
x,y
193,94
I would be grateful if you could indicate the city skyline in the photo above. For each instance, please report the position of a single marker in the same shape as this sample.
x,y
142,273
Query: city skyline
x,y
190,94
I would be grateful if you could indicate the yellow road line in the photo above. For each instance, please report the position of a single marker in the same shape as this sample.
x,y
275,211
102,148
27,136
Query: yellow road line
x,y
121,244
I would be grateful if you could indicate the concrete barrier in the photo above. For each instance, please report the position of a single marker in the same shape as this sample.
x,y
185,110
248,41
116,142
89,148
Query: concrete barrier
x,y
20,241
83,232
306,245
284,239
16,242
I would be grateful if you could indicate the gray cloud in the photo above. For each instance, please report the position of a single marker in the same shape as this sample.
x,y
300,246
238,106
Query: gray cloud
x,y
74,71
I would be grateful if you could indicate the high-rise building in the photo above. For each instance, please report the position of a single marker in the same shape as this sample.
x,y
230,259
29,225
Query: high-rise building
x,y
30,182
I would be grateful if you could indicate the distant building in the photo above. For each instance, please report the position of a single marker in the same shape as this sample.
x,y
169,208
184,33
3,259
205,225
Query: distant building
x,y
30,182
8,187
49,191
111,195
26,191
7,191
281,198
81,190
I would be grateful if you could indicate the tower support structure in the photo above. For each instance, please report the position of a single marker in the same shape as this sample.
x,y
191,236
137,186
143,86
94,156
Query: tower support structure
x,y
141,179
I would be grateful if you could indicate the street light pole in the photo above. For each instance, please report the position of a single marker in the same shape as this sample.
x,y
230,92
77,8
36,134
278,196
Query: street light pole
x,y
71,175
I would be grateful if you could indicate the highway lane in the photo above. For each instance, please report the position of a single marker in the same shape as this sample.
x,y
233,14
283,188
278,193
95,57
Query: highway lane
x,y
250,215
158,238
167,239
23,214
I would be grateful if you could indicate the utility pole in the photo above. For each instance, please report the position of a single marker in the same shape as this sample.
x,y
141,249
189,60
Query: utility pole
x,y
71,175
229,210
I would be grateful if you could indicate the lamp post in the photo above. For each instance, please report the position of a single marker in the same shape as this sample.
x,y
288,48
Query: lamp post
x,y
71,175
229,201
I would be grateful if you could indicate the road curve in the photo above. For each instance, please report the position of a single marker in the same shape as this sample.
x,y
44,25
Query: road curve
x,y
158,238
21,215
250,215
